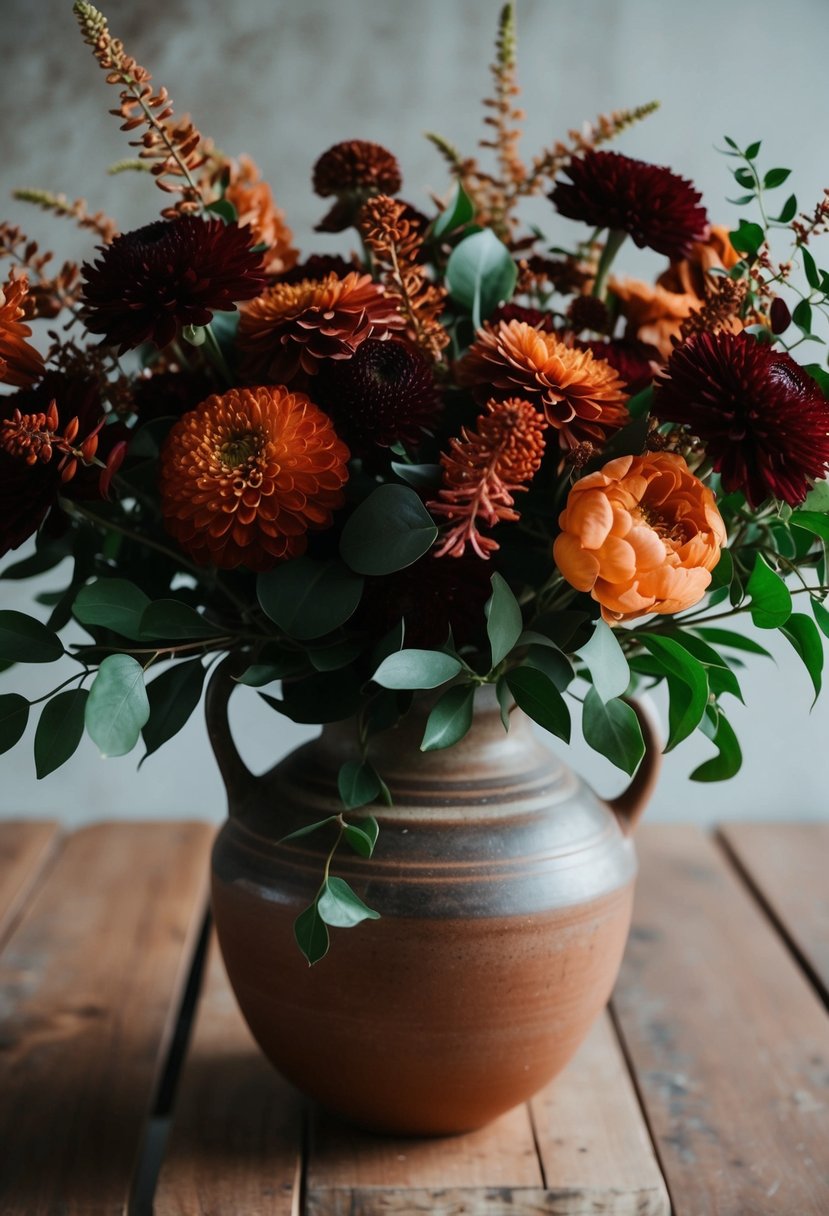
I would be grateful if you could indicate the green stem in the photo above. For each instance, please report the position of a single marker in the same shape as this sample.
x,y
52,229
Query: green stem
x,y
77,676
614,242
217,356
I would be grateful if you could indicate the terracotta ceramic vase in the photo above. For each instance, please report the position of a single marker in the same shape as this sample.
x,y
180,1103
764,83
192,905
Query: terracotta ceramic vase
x,y
504,886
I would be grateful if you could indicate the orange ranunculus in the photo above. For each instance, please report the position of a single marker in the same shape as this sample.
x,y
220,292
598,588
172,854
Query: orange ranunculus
x,y
690,274
641,535
653,314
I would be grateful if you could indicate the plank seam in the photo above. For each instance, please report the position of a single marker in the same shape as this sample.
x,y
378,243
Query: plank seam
x,y
537,1145
52,853
755,891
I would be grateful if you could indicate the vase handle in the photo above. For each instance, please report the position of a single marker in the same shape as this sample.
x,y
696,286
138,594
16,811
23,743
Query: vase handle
x,y
238,778
630,804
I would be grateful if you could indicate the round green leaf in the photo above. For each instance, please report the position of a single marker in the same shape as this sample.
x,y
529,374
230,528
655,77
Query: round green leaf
x,y
357,783
307,598
450,719
114,603
59,730
25,640
341,907
117,706
14,714
388,531
481,274
416,669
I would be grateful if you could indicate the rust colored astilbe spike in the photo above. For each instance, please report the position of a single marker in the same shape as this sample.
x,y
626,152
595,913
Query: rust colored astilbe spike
x,y
172,147
482,471
395,244
48,294
59,204
504,117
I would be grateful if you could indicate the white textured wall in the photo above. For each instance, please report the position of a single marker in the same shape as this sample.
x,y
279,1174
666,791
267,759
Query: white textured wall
x,y
285,80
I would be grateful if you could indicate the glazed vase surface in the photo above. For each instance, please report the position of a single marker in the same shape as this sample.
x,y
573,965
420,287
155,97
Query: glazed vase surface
x,y
504,887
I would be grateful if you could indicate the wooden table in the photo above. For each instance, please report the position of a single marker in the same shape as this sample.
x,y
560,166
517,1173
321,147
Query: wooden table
x,y
129,1083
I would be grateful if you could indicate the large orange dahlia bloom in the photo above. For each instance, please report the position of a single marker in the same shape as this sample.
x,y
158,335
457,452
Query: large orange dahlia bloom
x,y
297,326
641,535
20,363
581,397
245,475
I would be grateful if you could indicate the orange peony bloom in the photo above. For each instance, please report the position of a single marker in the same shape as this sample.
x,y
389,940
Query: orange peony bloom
x,y
254,205
642,535
581,397
20,363
245,475
297,326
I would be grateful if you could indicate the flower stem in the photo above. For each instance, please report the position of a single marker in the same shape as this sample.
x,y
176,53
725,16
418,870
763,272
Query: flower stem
x,y
615,240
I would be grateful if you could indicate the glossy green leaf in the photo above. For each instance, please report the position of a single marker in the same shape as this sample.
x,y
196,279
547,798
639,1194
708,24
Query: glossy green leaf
x,y
503,619
612,729
605,660
771,600
809,268
481,274
775,177
341,907
416,669
802,316
818,497
552,662
357,783
537,695
174,620
789,210
308,598
112,603
821,614
311,934
421,476
803,634
734,641
752,150
505,700
173,696
14,715
747,237
59,730
308,829
687,686
459,211
25,640
388,531
117,707
729,757
223,208
260,674
639,406
723,572
815,522
450,719
362,836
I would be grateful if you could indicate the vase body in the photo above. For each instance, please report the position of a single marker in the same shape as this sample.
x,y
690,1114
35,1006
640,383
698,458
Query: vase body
x,y
504,887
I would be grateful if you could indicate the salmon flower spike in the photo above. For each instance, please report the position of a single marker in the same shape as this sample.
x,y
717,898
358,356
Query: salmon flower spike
x,y
253,201
642,535
581,397
244,476
20,363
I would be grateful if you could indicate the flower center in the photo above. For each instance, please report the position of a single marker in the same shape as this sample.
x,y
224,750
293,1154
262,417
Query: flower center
x,y
239,448
668,529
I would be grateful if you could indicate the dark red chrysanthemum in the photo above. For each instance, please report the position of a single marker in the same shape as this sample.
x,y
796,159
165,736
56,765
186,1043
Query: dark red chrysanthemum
x,y
432,597
353,171
763,420
517,312
384,394
656,207
634,361
150,283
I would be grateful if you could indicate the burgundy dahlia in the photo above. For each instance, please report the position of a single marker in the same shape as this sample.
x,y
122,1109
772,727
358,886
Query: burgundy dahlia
x,y
763,420
633,360
518,312
656,207
384,394
150,283
353,171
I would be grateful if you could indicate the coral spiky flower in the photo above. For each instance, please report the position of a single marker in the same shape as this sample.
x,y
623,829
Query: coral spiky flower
x,y
657,208
245,475
297,326
351,172
150,283
763,420
253,200
581,397
20,363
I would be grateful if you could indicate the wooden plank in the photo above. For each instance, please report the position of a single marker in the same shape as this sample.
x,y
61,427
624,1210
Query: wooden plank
x,y
25,847
729,1042
90,982
595,1149
787,864
236,1142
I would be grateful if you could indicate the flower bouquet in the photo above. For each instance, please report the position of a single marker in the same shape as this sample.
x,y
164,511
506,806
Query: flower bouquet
x,y
452,458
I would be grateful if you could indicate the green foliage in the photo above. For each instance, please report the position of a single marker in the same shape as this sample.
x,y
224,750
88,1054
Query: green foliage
x,y
358,783
537,695
25,640
341,907
729,757
311,934
771,600
503,619
387,532
362,836
173,696
307,598
112,603
481,274
458,211
416,669
59,730
687,681
173,620
450,719
612,728
117,707
605,660
14,715
803,634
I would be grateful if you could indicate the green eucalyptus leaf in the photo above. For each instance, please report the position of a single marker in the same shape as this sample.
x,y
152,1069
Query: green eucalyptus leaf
x,y
112,603
308,598
163,620
803,634
450,718
503,619
613,729
59,730
389,530
14,715
357,783
537,695
341,907
173,696
605,660
26,640
117,707
416,669
481,274
771,600
311,934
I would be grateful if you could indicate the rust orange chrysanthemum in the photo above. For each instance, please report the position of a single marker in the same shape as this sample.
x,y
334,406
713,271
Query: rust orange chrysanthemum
x,y
296,326
20,363
483,469
245,475
642,535
582,398
253,200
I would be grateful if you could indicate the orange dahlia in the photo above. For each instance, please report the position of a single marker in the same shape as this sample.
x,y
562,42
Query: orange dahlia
x,y
641,535
296,326
20,363
582,398
255,207
245,475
